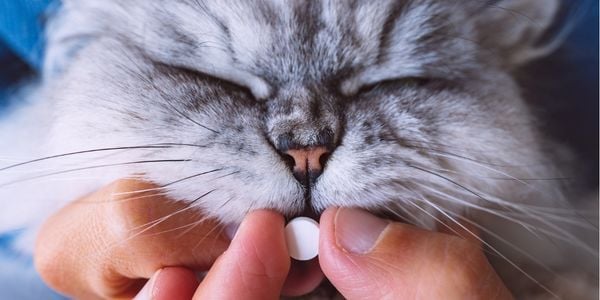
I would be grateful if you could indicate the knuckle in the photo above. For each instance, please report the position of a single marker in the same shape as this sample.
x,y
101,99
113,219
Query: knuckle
x,y
46,258
46,264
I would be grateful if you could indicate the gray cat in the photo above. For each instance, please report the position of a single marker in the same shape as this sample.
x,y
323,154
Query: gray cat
x,y
405,108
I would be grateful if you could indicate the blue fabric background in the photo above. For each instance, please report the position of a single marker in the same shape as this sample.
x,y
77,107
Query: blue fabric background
x,y
21,44
20,25
21,49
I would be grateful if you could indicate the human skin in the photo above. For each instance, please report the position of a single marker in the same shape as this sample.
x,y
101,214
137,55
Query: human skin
x,y
89,250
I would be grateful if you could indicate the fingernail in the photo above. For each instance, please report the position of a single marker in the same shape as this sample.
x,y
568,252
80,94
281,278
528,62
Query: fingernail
x,y
357,231
147,292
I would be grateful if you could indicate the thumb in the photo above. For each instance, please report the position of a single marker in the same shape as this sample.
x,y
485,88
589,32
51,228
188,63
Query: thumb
x,y
366,257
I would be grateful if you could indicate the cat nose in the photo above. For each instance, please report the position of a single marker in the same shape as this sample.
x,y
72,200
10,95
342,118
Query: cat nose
x,y
308,163
307,159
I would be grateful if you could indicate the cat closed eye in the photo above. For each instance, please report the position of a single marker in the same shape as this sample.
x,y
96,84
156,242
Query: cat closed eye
x,y
253,86
394,83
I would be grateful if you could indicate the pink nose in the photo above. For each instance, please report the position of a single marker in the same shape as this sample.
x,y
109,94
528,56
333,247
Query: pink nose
x,y
308,162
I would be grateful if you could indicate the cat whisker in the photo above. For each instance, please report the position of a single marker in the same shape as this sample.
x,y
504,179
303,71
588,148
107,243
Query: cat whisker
x,y
189,206
421,143
566,236
206,236
157,146
467,154
191,176
168,184
167,99
434,217
422,198
529,227
492,248
177,181
228,174
519,179
503,240
470,190
447,154
548,212
410,217
186,228
491,169
153,195
138,191
91,168
141,229
190,119
189,227
551,210
562,219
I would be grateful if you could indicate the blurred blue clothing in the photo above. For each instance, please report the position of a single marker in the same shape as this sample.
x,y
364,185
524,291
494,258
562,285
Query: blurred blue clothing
x,y
18,278
21,24
21,52
21,42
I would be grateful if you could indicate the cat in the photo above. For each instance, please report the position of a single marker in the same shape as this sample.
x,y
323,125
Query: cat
x,y
408,109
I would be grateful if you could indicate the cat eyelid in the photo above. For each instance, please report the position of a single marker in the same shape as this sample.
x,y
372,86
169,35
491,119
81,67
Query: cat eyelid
x,y
412,81
357,85
375,75
258,87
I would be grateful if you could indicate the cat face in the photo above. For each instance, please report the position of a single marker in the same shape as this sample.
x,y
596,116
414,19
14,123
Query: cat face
x,y
401,107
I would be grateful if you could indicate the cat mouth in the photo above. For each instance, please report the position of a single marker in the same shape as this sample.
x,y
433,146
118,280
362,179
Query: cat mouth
x,y
308,183
310,212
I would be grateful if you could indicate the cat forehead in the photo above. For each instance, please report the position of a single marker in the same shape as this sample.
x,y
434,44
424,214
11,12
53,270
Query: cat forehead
x,y
303,40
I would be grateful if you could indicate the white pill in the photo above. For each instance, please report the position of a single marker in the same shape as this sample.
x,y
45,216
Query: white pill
x,y
302,238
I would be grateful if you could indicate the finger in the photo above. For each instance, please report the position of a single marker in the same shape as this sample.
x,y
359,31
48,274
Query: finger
x,y
369,258
172,283
105,245
254,266
303,278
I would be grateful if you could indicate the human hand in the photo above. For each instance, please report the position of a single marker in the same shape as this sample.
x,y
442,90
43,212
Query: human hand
x,y
255,266
105,245
364,257
109,260
369,258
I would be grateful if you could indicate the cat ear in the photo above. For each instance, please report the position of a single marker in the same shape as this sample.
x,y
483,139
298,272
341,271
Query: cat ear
x,y
514,29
